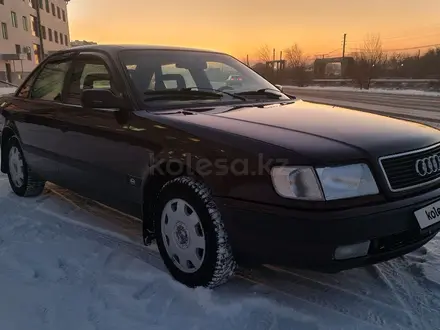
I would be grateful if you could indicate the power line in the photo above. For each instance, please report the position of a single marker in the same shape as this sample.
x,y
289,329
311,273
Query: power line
x,y
400,49
411,34
402,38
326,54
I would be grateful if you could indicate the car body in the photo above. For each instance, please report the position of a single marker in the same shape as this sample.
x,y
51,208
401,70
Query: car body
x,y
247,175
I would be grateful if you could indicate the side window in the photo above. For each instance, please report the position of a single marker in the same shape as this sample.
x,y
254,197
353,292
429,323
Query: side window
x,y
49,83
88,73
25,90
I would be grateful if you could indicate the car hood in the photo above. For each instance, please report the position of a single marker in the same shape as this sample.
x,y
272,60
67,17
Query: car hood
x,y
375,134
317,130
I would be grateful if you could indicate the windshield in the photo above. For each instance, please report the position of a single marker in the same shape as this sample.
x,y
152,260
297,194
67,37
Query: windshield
x,y
159,72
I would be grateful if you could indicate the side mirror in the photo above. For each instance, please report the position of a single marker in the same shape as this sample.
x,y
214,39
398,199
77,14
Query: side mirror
x,y
101,98
279,87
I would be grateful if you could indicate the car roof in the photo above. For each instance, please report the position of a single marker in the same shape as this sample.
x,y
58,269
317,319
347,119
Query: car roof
x,y
113,49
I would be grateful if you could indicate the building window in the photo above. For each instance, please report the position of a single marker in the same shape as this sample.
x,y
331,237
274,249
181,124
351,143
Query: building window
x,y
53,9
37,53
59,12
43,31
66,42
55,33
49,32
25,23
34,27
14,19
17,49
47,6
41,3
2,2
61,39
32,3
4,31
27,50
64,15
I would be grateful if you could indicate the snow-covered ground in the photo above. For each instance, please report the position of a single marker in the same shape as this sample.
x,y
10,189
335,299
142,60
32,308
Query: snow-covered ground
x,y
69,263
69,267
372,90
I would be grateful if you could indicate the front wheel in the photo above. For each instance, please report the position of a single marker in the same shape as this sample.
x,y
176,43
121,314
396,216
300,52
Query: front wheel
x,y
23,181
191,236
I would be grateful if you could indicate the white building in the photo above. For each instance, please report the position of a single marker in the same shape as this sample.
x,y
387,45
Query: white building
x,y
21,39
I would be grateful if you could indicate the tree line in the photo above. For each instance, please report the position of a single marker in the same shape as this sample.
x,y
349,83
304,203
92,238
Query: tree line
x,y
369,61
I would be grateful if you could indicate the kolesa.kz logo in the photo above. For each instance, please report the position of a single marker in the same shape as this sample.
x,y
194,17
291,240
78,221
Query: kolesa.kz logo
x,y
434,213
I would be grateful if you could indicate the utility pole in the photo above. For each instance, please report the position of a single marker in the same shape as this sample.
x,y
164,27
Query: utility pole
x,y
247,59
343,46
280,63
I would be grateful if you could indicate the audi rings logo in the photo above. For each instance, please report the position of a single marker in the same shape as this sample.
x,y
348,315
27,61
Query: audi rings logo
x,y
428,165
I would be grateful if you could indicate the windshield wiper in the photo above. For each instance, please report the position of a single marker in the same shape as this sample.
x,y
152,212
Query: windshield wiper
x,y
235,96
269,92
181,94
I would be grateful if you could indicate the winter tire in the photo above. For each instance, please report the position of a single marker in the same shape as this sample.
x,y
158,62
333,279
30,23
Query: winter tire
x,y
22,180
191,236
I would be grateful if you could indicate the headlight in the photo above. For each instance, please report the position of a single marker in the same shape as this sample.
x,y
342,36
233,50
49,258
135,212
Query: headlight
x,y
329,183
297,183
347,181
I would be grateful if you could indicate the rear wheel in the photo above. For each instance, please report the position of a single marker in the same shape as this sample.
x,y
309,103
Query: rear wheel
x,y
23,181
191,236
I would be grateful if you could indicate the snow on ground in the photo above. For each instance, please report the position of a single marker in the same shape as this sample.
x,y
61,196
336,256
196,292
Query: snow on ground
x,y
372,90
62,267
69,263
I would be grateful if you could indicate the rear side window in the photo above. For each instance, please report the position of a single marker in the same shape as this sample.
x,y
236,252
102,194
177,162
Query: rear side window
x,y
49,83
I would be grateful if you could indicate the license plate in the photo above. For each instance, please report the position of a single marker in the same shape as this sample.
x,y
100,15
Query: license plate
x,y
429,215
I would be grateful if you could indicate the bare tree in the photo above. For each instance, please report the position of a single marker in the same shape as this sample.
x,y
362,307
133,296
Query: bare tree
x,y
264,54
296,63
295,57
368,59
395,62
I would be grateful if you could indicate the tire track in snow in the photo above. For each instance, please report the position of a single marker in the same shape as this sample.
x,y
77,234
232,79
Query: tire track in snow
x,y
350,305
359,293
406,281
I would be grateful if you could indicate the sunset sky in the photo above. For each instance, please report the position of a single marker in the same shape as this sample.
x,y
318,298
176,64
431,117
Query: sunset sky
x,y
241,26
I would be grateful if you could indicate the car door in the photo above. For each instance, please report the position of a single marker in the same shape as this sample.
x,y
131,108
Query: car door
x,y
100,157
31,112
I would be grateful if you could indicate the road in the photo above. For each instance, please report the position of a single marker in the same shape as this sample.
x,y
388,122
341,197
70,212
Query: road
x,y
413,107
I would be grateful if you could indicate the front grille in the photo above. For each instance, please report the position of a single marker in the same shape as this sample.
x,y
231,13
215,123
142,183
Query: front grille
x,y
400,170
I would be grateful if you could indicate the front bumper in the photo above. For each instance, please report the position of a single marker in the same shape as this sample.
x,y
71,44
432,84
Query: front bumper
x,y
308,239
